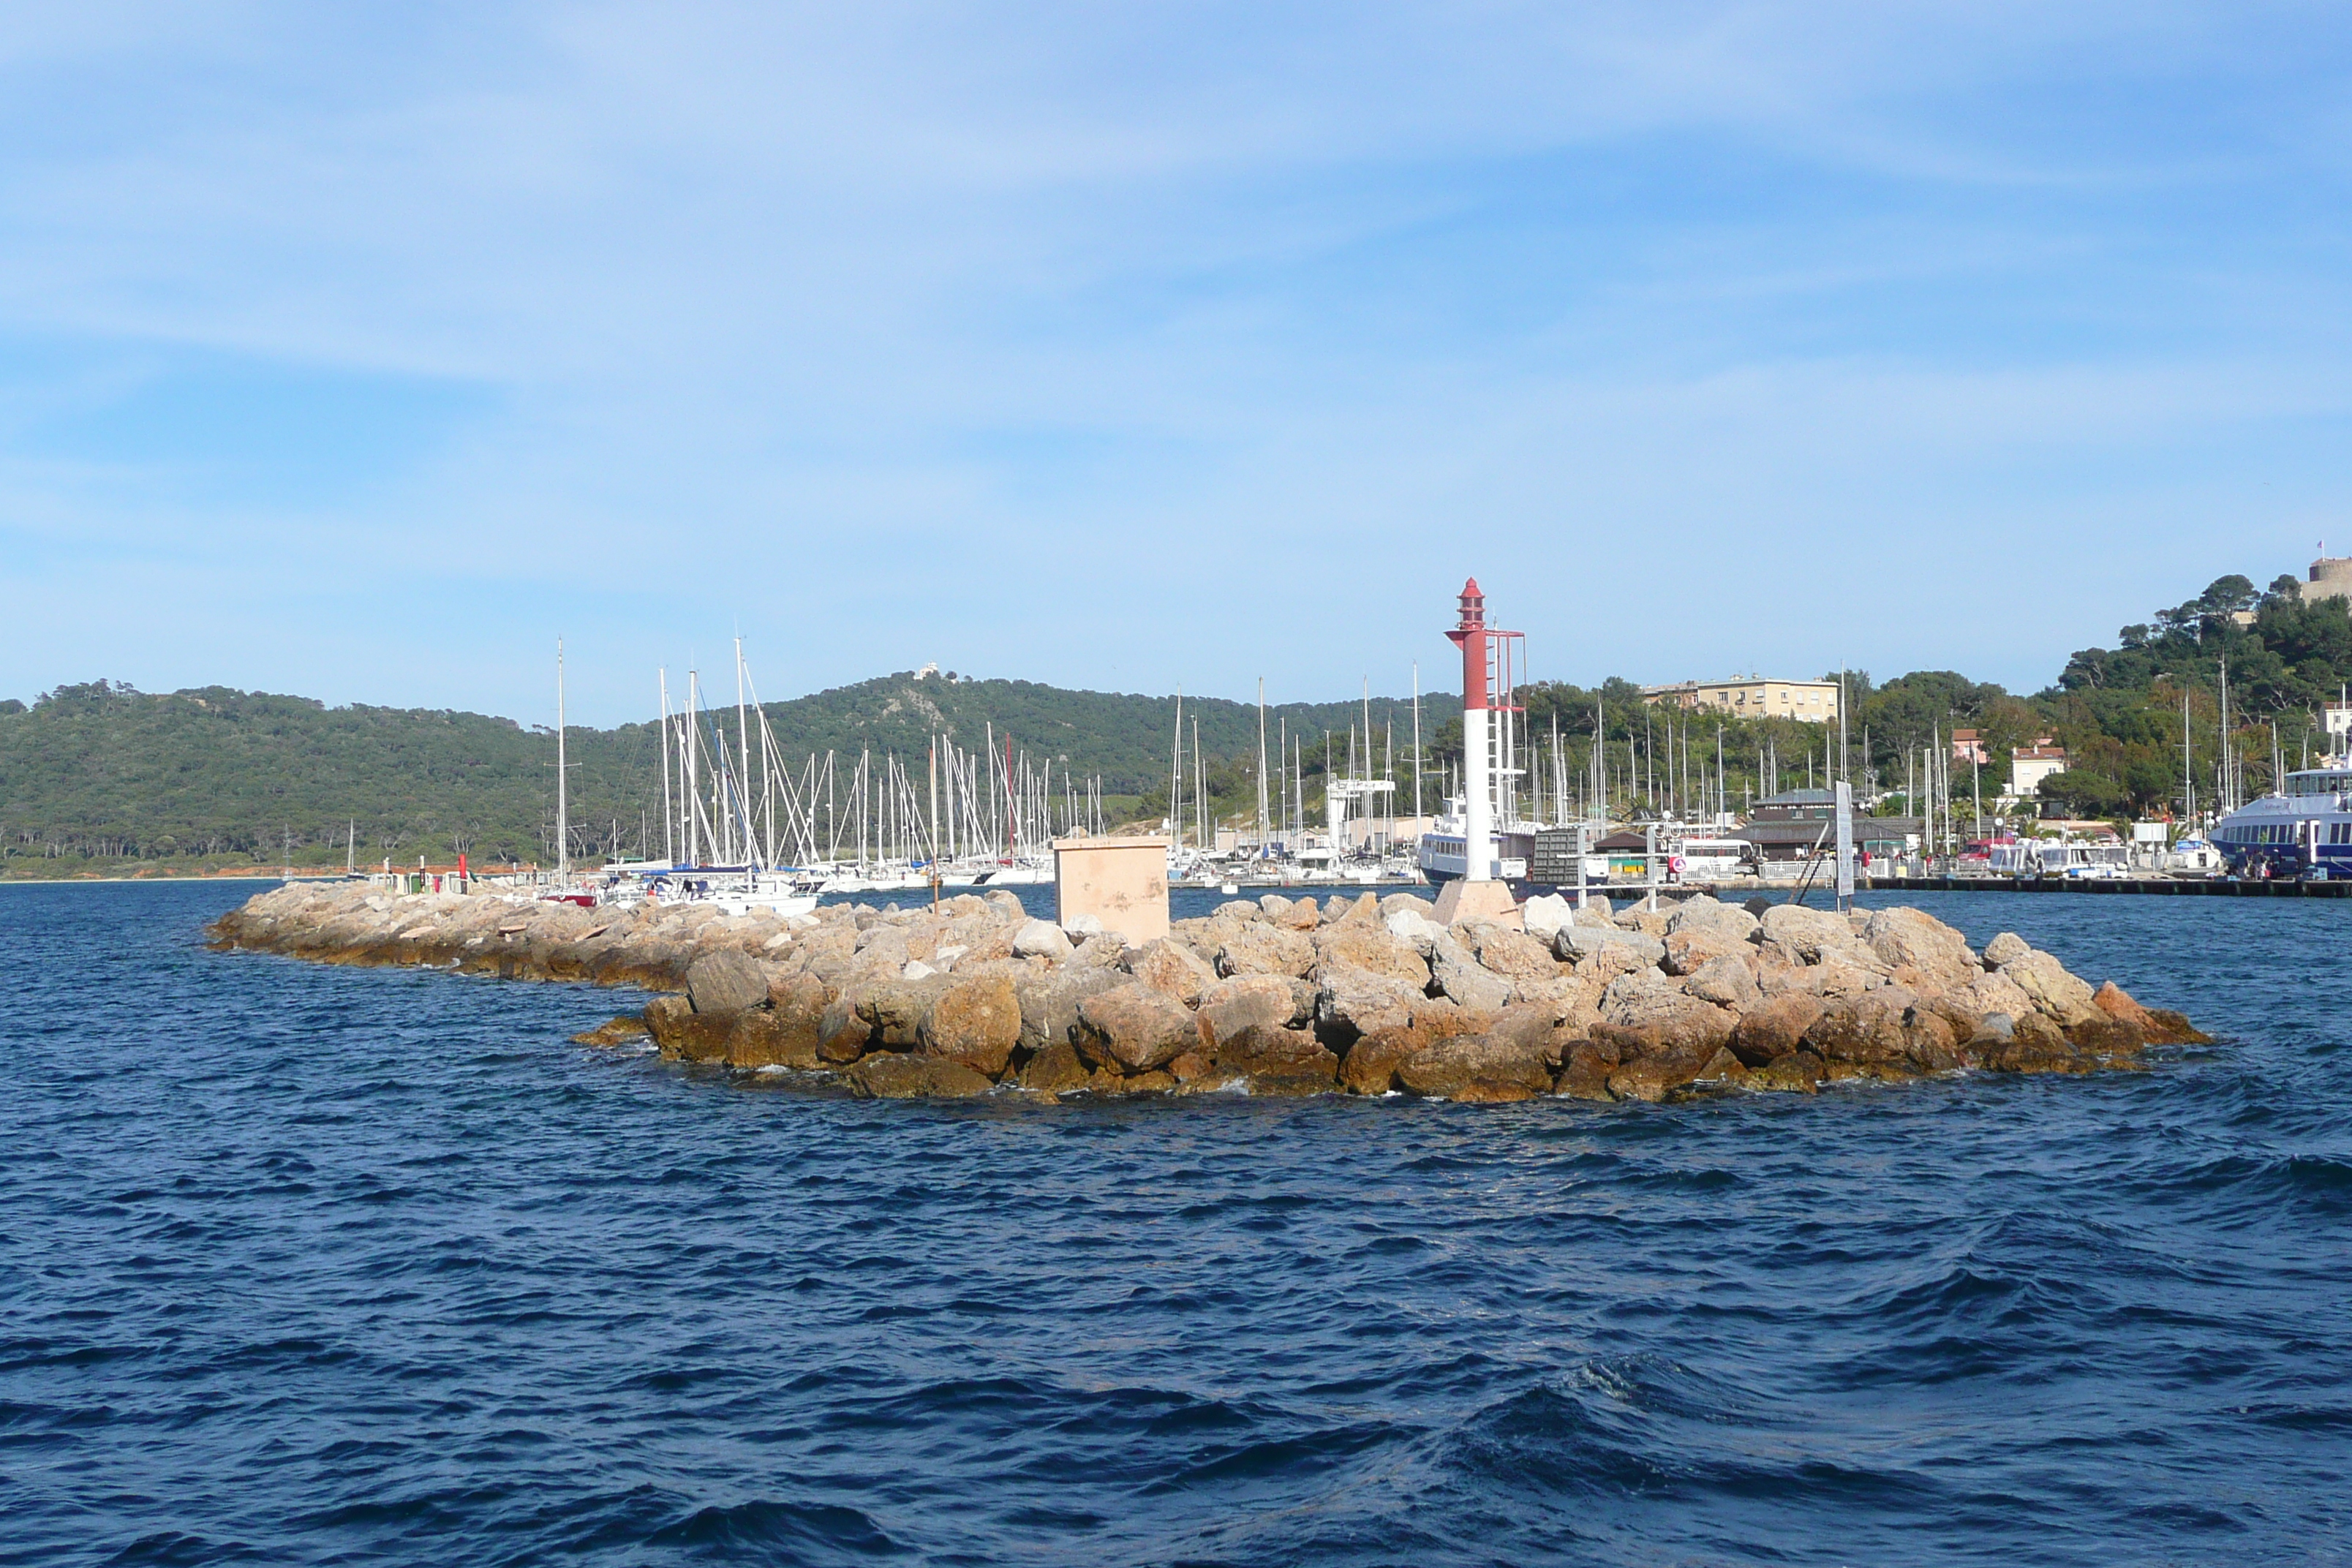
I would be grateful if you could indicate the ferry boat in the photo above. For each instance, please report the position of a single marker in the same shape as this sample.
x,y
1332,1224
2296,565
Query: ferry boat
x,y
1443,855
2303,830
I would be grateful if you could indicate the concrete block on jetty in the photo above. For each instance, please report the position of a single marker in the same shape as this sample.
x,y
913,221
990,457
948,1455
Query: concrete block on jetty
x,y
1274,995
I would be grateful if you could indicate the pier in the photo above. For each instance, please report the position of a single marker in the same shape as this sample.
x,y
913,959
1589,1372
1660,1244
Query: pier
x,y
2167,886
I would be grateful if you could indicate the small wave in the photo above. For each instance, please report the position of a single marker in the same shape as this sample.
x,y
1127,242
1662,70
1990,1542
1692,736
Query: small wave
x,y
764,1525
1284,1457
178,1549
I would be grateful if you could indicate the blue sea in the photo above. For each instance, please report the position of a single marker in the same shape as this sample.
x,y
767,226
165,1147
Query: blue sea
x,y
307,1265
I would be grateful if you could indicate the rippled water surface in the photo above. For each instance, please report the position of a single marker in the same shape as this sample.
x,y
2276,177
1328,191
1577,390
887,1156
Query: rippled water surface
x,y
312,1265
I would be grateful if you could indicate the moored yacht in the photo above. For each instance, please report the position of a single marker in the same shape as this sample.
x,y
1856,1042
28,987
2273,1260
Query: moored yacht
x,y
2304,830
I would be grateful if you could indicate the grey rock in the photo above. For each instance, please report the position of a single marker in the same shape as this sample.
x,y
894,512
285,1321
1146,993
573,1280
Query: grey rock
x,y
2005,948
723,983
1041,939
1576,942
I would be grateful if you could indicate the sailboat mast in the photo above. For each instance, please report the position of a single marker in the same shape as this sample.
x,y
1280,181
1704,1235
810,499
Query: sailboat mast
x,y
669,849
742,753
693,748
1176,774
562,795
1416,740
1261,766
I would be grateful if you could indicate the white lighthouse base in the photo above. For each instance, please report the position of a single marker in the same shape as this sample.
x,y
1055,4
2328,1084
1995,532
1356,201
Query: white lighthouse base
x,y
1463,899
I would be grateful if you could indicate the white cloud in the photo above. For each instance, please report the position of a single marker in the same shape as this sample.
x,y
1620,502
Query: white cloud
x,y
1231,328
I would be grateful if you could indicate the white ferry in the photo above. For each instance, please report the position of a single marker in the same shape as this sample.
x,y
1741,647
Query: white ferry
x,y
2303,830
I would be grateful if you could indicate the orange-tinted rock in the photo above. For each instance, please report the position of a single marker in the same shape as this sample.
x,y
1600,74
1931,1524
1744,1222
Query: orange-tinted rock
x,y
976,1020
892,1075
1774,1027
1134,1028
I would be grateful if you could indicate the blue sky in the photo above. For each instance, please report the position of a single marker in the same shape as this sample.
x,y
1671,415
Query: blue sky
x,y
361,351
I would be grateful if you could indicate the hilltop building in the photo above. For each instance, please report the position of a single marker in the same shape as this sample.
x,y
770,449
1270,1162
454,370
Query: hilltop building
x,y
1753,697
2331,578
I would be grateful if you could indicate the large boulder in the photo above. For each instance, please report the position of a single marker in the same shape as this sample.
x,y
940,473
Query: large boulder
x,y
1366,945
2001,949
1049,1001
1774,1026
1350,1002
1701,911
1659,1016
1885,1028
796,1003
2157,1025
1799,1072
1266,948
2060,995
1098,949
1276,1060
722,984
1134,1028
1499,1065
976,1020
1370,1067
1692,948
681,1034
1542,916
1728,981
2036,1045
1988,993
1415,929
1464,979
1056,1069
1299,914
1568,998
894,1007
842,1035
1509,953
889,1075
1041,939
1939,954
761,1038
1171,968
1653,1073
1581,943
1246,1002
1808,933
1584,1071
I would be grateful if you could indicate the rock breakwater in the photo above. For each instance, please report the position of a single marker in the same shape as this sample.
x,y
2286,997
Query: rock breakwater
x,y
1276,995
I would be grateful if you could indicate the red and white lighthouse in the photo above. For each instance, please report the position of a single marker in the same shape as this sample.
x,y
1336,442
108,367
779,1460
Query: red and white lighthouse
x,y
1489,657
1478,791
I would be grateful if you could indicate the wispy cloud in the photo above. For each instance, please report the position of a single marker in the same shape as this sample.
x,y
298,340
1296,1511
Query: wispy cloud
x,y
1127,345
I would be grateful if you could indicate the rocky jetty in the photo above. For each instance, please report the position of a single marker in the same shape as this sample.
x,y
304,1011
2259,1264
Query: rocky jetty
x,y
1276,995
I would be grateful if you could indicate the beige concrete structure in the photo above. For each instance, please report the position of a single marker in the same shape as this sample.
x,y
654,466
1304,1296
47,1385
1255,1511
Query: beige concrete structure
x,y
1753,697
1122,882
1460,900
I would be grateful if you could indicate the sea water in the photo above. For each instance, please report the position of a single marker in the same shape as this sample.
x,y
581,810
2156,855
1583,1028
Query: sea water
x,y
313,1265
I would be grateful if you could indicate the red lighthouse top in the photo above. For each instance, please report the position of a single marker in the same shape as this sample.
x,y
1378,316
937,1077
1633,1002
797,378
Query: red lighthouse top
x,y
1470,637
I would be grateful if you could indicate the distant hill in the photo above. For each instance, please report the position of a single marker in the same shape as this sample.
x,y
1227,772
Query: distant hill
x,y
97,775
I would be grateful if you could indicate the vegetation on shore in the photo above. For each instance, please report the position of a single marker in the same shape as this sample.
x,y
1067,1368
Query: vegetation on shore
x,y
98,779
